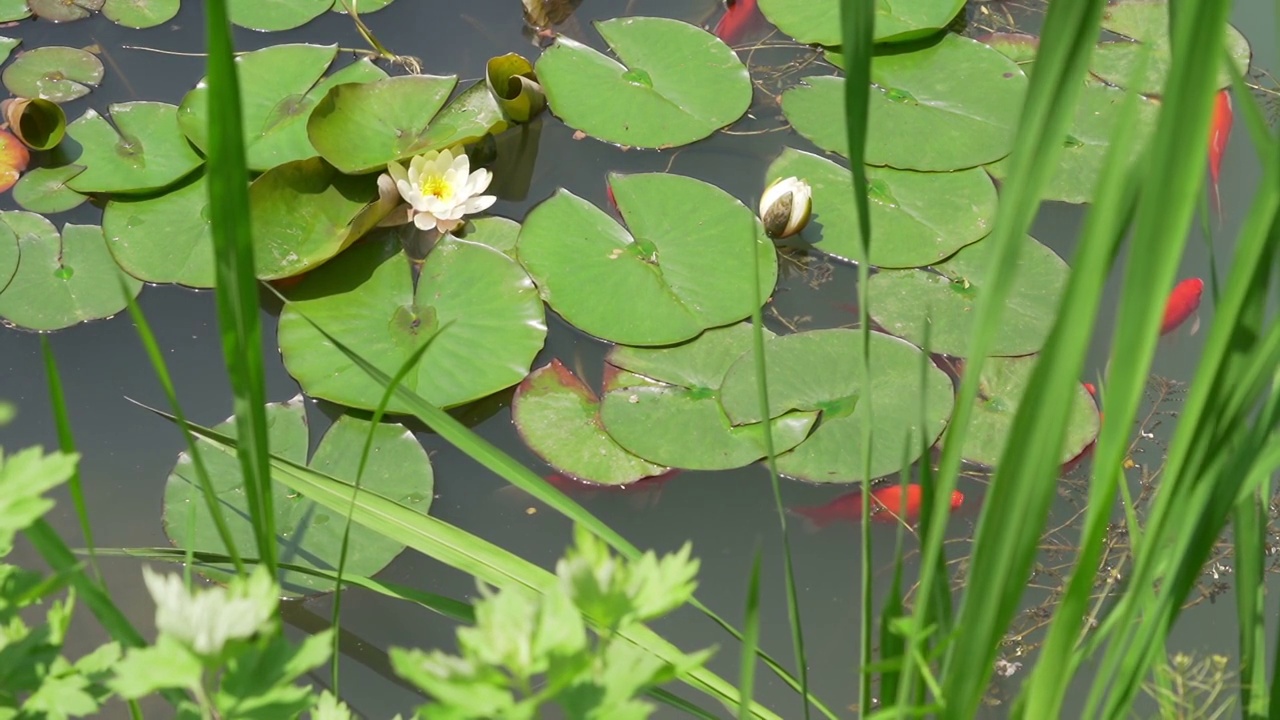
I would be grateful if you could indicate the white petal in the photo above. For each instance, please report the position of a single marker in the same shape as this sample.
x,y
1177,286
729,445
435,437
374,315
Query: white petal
x,y
479,181
478,203
424,221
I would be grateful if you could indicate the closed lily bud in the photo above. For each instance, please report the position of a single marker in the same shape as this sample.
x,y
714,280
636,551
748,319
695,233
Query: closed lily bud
x,y
785,207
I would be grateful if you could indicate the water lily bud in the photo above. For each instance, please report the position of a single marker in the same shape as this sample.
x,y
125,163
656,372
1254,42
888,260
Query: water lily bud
x,y
785,207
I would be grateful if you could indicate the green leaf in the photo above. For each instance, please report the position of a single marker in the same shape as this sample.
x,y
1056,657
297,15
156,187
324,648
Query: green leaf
x,y
672,84
140,13
7,44
273,15
44,190
59,74
261,681
11,10
818,21
144,151
164,237
510,78
468,689
24,477
61,281
167,664
61,11
467,118
684,266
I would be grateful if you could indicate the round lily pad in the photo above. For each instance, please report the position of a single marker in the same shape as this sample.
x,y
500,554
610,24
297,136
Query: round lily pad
x,y
45,191
14,157
309,534
820,370
61,281
672,84
272,15
916,218
362,127
491,322
1146,22
685,265
951,105
665,405
1000,389
59,74
818,21
164,238
59,11
144,150
558,416
9,255
141,13
908,303
280,85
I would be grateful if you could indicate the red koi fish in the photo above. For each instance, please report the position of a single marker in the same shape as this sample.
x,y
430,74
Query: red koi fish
x,y
1183,302
1219,133
733,25
889,503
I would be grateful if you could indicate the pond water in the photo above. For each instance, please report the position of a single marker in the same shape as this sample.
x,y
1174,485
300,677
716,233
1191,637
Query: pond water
x,y
128,453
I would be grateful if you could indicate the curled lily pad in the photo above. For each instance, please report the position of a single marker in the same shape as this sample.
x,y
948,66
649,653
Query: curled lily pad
x,y
908,303
143,151
13,160
665,405
140,13
819,370
59,74
491,323
45,191
512,81
818,21
280,85
308,533
165,237
1000,389
64,10
7,44
39,124
64,280
273,15
915,121
684,266
10,254
916,218
558,416
675,84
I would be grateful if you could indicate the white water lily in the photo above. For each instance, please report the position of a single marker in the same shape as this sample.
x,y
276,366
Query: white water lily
x,y
785,207
205,620
438,189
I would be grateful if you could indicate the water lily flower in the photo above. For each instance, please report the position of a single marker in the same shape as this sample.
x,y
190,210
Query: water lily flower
x,y
205,620
438,189
785,207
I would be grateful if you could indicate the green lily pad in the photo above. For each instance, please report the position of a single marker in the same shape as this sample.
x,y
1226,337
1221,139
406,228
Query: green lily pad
x,y
558,417
820,370
469,117
61,281
1086,147
10,254
305,212
280,85
491,321
684,267
951,105
164,238
45,191
818,21
7,44
1018,47
675,84
308,534
362,7
38,123
144,151
60,11
11,10
916,218
1000,389
909,302
362,127
664,405
1146,23
59,74
498,233
272,15
141,13
512,82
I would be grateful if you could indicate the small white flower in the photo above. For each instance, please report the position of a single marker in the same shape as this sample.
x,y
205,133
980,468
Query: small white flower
x,y
785,207
439,189
206,619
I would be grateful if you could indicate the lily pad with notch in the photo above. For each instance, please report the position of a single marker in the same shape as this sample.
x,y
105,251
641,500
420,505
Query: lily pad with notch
x,y
143,151
45,191
164,237
818,21
60,74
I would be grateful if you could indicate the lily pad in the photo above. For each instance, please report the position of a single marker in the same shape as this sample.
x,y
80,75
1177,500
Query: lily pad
x,y
558,417
11,10
1146,23
280,85
950,105
818,21
362,127
59,74
9,255
7,44
675,84
362,7
1000,389
272,15
144,151
942,301
491,322
1018,47
60,11
141,13
164,238
916,218
665,405
61,281
45,191
685,265
511,80
820,370
14,157
308,534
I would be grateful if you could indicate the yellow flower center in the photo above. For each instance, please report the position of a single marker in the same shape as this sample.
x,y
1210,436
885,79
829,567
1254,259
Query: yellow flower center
x,y
436,186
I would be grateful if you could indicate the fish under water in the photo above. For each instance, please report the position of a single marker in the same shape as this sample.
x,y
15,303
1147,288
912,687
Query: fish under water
x,y
1182,304
889,503
732,26
1219,134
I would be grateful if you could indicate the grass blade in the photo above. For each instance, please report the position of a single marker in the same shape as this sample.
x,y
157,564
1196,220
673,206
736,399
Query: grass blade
x,y
67,443
751,640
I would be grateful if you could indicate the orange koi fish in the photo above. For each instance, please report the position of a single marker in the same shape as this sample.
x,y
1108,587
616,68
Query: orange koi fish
x,y
733,24
1183,302
1219,133
889,503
